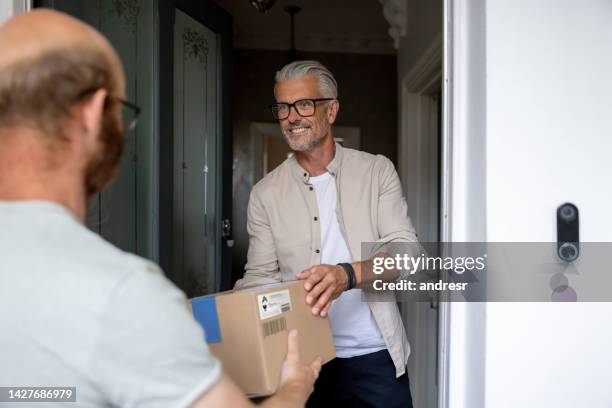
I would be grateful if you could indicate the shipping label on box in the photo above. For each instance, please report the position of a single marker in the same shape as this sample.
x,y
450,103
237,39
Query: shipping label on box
x,y
273,304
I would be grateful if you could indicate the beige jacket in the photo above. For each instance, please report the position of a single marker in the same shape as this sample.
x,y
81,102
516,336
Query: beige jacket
x,y
285,238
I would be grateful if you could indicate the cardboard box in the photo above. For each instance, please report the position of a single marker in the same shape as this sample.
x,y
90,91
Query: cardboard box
x,y
247,330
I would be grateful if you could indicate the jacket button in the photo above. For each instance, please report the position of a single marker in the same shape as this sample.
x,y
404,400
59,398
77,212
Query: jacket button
x,y
317,251
305,174
311,188
315,218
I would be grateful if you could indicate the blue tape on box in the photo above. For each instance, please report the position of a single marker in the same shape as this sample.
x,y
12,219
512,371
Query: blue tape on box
x,y
205,312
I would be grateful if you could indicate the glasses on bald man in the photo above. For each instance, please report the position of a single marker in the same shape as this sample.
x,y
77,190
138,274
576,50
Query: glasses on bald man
x,y
130,111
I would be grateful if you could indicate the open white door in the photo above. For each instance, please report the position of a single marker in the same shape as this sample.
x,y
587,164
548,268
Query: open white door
x,y
527,101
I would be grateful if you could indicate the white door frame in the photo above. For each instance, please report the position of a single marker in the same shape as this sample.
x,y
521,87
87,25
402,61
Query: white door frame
x,y
461,368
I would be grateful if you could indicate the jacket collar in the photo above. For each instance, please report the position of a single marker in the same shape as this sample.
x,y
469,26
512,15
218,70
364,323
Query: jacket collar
x,y
333,167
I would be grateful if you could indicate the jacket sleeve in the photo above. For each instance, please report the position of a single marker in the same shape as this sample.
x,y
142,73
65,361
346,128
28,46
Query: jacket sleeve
x,y
394,224
262,262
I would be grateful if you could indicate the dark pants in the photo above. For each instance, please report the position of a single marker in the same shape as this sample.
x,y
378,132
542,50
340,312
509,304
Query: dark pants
x,y
362,381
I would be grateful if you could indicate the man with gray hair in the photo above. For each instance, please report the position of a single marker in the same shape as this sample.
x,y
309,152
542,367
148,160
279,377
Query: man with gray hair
x,y
307,219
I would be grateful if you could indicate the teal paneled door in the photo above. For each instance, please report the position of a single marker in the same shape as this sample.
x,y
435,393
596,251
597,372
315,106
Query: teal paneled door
x,y
119,21
196,217
124,213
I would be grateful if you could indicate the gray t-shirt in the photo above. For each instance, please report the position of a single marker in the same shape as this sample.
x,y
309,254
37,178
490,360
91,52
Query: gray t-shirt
x,y
77,311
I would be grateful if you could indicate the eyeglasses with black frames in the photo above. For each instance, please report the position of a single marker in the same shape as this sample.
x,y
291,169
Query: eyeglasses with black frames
x,y
303,107
130,111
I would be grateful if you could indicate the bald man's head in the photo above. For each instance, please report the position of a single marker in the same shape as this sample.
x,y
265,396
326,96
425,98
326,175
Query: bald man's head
x,y
49,60
62,79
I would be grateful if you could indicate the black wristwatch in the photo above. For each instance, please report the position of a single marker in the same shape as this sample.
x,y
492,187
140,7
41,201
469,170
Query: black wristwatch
x,y
350,272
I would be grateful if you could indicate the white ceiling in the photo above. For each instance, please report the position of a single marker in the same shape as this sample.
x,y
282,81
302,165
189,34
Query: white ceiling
x,y
354,26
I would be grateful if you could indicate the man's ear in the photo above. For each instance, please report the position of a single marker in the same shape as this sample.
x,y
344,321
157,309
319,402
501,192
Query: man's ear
x,y
92,111
332,111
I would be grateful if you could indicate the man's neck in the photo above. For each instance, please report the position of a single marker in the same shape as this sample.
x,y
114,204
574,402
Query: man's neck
x,y
24,175
37,190
316,160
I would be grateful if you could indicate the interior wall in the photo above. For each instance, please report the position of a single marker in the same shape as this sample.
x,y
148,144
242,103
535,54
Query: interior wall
x,y
423,25
419,69
367,90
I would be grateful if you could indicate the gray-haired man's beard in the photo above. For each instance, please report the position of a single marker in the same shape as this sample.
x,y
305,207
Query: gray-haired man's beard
x,y
310,143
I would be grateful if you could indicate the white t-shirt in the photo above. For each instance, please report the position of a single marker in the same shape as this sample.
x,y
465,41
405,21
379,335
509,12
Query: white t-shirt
x,y
76,311
354,329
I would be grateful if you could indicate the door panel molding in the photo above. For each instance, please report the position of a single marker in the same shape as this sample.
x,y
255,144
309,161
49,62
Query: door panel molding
x,y
219,21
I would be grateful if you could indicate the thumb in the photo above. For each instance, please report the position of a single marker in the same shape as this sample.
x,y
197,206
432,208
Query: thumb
x,y
316,366
293,349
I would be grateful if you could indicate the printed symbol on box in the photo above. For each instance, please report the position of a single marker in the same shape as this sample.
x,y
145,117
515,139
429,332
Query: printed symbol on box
x,y
273,304
264,303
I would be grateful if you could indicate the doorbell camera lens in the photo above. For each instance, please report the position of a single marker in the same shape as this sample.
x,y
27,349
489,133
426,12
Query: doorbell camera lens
x,y
568,252
568,213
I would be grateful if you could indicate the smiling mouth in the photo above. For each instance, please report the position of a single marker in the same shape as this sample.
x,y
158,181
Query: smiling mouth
x,y
298,130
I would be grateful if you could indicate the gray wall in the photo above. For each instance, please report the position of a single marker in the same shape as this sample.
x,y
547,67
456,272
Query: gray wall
x,y
367,88
423,24
419,171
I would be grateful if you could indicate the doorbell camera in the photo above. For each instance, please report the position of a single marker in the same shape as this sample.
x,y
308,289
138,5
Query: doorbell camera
x,y
568,239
